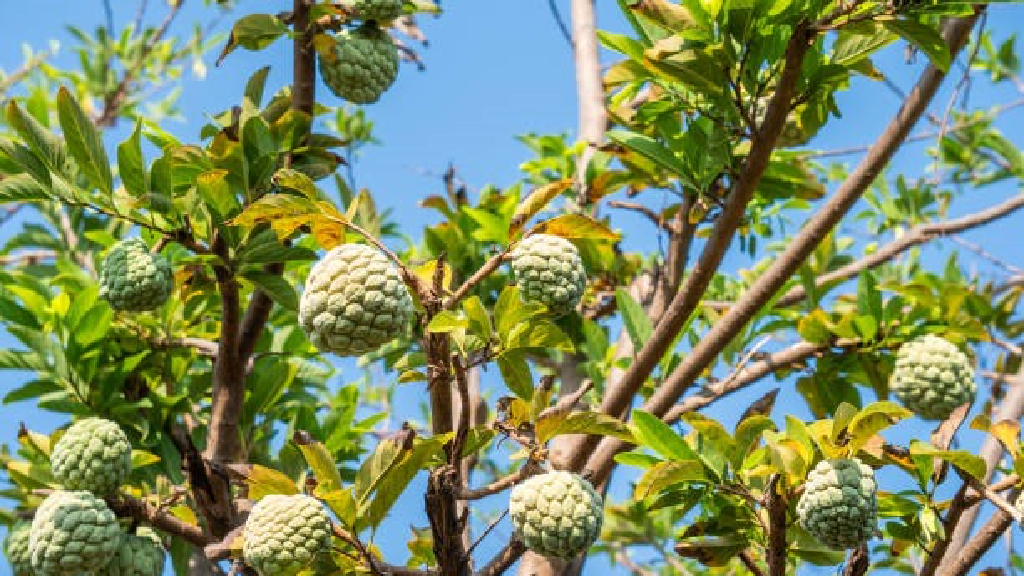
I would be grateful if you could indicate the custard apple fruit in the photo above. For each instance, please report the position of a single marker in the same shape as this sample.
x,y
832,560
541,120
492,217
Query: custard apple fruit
x,y
133,279
932,377
839,506
73,532
556,514
94,454
378,10
284,534
140,554
362,65
16,549
354,301
548,269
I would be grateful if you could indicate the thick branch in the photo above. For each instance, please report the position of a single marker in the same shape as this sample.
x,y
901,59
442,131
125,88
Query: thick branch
x,y
916,236
776,506
962,562
124,505
202,346
787,263
503,560
593,119
619,397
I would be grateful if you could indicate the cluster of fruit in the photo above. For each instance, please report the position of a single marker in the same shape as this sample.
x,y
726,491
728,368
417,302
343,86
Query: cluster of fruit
x,y
73,530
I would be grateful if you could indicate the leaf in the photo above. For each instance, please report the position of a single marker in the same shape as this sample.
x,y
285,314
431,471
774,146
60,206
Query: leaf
x,y
141,458
1006,431
291,179
284,212
447,321
638,325
319,460
557,423
536,202
130,164
516,373
971,464
276,287
923,37
872,419
398,476
651,432
665,474
253,32
263,481
653,151
576,226
748,433
539,334
21,187
84,142
479,319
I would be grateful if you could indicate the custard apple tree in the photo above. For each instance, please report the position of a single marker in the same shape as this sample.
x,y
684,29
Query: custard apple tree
x,y
699,337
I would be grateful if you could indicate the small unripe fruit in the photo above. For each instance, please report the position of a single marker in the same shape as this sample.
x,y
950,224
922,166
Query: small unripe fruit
x,y
362,65
132,279
16,549
548,269
932,377
73,533
284,534
839,505
354,301
94,454
556,514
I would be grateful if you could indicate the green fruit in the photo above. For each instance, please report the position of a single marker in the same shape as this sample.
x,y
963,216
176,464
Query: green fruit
x,y
16,549
354,301
548,269
932,377
72,533
556,514
378,10
284,534
839,506
94,454
362,65
140,554
133,279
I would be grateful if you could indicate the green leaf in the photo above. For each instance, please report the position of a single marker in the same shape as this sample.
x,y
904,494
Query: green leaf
x,y
253,32
84,142
319,460
971,464
869,298
130,164
539,334
20,188
263,481
291,179
653,151
447,321
748,434
516,373
651,432
638,325
558,423
479,319
665,474
276,287
923,37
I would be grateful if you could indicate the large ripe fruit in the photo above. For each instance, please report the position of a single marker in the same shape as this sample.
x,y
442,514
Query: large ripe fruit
x,y
94,454
73,532
932,377
839,506
354,301
362,65
548,269
133,279
284,534
556,514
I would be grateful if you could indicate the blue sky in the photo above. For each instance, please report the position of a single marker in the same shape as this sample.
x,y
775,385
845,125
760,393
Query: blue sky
x,y
494,70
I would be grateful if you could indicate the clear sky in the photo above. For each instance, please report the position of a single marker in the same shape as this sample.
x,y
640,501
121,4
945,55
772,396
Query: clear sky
x,y
494,70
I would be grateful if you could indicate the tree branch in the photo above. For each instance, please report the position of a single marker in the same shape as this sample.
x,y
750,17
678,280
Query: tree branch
x,y
503,560
498,485
593,119
962,562
776,528
125,505
203,347
785,265
486,270
618,397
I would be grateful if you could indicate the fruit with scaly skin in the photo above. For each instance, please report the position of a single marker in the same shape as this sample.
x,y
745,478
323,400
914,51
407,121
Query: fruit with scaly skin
x,y
839,505
73,532
548,269
284,534
556,514
94,454
354,301
378,10
16,549
932,377
141,554
134,280
361,66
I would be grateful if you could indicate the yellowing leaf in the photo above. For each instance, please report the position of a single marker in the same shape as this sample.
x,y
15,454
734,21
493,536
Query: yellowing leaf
x,y
665,474
263,481
536,202
872,419
577,226
582,423
319,460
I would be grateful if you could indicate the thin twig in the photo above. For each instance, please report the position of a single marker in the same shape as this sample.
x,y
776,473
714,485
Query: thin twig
x,y
503,560
498,485
486,270
557,15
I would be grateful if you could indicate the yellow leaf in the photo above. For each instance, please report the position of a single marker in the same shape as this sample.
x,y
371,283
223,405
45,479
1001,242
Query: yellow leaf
x,y
536,202
572,226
